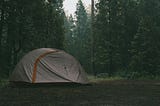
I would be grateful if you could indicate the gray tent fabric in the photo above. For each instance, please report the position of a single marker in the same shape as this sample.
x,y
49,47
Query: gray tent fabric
x,y
47,65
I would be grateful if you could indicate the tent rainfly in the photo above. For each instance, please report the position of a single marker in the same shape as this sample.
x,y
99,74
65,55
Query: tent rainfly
x,y
47,65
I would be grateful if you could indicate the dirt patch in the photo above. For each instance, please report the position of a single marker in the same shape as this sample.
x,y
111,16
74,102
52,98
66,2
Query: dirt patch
x,y
102,93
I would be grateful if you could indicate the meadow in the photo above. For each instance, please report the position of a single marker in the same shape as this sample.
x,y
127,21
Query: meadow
x,y
100,92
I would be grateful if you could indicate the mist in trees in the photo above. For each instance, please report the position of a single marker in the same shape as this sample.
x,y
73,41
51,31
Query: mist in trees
x,y
126,34
127,37
77,37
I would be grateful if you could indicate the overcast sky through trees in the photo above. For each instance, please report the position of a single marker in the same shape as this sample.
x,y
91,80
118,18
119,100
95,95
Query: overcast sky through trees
x,y
70,5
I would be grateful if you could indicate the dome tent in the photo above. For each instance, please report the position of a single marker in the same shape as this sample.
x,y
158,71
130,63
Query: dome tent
x,y
46,65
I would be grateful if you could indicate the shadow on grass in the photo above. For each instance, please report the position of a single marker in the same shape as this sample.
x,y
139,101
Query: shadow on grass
x,y
45,85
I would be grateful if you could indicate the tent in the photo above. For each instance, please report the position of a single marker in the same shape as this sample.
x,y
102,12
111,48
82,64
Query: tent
x,y
47,65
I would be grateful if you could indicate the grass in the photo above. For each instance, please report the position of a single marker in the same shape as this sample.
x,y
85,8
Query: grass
x,y
102,92
99,79
92,79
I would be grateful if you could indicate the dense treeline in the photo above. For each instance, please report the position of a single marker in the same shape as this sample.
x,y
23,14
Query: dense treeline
x,y
127,35
26,25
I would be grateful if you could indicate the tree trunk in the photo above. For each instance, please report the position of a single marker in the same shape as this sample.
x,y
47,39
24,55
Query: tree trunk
x,y
1,25
92,40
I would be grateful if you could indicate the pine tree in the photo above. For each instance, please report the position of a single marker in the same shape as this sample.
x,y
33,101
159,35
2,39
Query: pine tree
x,y
145,44
78,35
29,25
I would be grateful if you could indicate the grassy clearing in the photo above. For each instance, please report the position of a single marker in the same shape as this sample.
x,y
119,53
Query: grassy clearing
x,y
108,92
103,92
93,79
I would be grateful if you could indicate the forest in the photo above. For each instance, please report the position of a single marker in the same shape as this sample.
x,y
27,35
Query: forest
x,y
118,38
